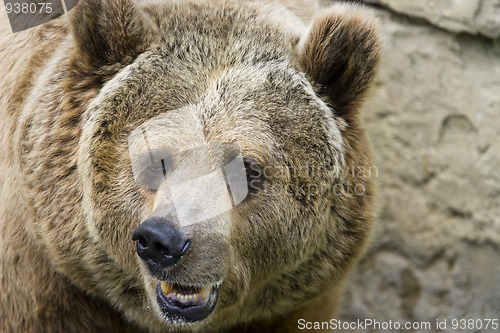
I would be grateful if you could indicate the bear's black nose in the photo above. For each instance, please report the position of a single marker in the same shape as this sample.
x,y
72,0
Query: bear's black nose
x,y
159,243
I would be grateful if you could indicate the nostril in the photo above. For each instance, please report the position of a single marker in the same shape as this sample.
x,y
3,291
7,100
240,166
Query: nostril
x,y
143,243
186,247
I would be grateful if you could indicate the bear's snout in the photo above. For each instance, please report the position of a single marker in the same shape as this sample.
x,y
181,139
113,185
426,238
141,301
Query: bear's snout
x,y
159,243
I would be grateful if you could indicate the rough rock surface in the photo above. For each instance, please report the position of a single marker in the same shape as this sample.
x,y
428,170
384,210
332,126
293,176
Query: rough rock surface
x,y
434,123
471,16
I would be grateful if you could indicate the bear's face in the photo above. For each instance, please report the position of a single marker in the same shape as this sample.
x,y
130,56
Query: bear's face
x,y
210,164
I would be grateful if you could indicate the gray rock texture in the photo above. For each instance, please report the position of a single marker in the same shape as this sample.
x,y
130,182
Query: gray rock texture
x,y
434,123
471,16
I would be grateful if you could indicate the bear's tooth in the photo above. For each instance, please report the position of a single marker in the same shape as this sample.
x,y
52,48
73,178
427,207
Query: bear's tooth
x,y
166,287
205,292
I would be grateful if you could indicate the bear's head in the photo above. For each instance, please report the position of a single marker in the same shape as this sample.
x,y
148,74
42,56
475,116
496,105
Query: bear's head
x,y
220,158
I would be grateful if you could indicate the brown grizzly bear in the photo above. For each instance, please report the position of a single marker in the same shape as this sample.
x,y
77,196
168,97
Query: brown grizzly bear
x,y
182,166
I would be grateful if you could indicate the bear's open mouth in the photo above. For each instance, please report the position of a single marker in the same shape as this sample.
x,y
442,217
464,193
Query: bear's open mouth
x,y
186,304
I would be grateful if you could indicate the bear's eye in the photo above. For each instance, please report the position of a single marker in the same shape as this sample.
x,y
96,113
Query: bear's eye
x,y
158,166
253,171
151,169
249,172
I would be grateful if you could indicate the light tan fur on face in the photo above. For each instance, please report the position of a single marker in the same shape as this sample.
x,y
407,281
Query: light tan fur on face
x,y
252,73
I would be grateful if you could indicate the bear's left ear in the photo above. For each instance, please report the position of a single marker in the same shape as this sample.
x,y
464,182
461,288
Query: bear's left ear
x,y
107,32
341,54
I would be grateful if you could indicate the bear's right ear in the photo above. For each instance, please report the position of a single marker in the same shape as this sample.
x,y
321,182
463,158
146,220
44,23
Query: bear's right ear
x,y
108,32
341,54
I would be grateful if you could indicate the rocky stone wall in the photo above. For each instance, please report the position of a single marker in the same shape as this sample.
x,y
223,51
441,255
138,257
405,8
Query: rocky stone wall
x,y
434,123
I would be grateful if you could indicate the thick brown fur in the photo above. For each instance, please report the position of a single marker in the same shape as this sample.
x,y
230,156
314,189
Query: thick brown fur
x,y
248,72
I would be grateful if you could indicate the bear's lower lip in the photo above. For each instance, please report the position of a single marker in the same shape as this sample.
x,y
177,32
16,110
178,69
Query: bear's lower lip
x,y
181,304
